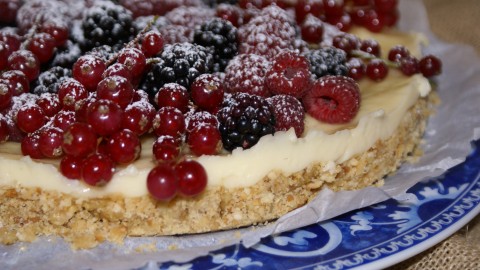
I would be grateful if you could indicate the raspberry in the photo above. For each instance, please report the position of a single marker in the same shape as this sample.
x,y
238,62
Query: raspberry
x,y
288,112
333,99
289,74
244,119
267,34
246,73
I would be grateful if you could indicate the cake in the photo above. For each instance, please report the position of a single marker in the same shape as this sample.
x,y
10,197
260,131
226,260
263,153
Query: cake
x,y
53,183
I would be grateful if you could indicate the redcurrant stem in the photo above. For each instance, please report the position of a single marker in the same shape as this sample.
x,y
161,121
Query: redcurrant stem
x,y
135,40
369,56
31,32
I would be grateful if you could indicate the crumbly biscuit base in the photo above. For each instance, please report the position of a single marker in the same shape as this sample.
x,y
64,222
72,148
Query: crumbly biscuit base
x,y
85,222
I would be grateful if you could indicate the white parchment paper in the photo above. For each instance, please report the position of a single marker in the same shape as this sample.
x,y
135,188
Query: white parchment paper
x,y
447,142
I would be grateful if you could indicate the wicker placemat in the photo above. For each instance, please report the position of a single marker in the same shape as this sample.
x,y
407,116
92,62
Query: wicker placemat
x,y
456,22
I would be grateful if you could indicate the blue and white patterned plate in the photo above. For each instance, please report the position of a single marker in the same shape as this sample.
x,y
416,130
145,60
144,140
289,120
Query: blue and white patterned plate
x,y
374,237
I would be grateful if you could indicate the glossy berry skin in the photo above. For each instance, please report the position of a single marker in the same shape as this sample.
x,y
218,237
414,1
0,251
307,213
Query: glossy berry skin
x,y
79,140
207,92
118,69
162,182
43,46
18,80
165,149
152,43
430,66
58,30
370,46
134,60
409,65
333,99
173,95
97,170
105,117
312,29
26,62
376,70
6,94
138,117
117,89
204,140
63,119
356,69
30,146
346,42
71,167
398,52
88,70
124,147
192,178
50,142
70,92
169,121
49,104
30,118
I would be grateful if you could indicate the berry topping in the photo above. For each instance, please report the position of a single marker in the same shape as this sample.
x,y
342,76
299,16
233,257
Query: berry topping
x,y
26,62
246,74
288,75
50,80
430,66
162,182
50,142
327,61
169,121
71,167
173,95
376,70
88,70
117,89
288,112
123,147
207,92
333,99
138,117
244,119
97,169
180,63
192,178
204,140
105,117
106,23
79,140
30,118
221,37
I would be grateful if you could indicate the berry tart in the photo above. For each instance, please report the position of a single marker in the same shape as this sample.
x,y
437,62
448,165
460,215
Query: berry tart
x,y
176,117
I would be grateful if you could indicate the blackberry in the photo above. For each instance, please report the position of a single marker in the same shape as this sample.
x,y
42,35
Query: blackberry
x,y
103,52
327,61
66,55
49,80
106,23
244,119
220,36
178,63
